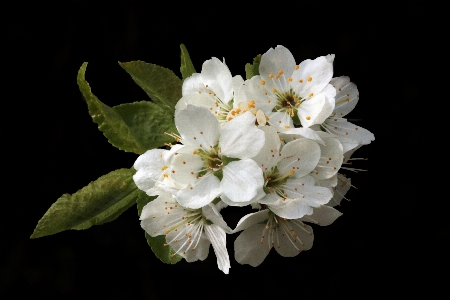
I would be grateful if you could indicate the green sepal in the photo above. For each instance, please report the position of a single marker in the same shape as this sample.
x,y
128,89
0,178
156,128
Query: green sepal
x,y
187,67
131,127
226,160
101,201
165,253
253,69
160,84
295,118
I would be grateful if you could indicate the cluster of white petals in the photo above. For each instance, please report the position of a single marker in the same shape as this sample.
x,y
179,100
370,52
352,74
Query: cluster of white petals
x,y
276,142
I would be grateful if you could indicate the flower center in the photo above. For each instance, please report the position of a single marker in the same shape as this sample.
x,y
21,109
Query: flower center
x,y
287,101
274,181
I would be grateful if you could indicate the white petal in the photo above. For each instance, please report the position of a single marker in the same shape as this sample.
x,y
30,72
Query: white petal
x,y
329,92
241,180
211,213
314,74
251,219
237,82
154,216
187,238
275,60
241,138
204,100
247,246
323,215
218,77
149,168
294,133
206,190
298,238
281,120
348,132
192,85
218,240
300,156
268,156
260,194
197,126
253,90
301,197
342,187
310,109
331,157
185,167
347,95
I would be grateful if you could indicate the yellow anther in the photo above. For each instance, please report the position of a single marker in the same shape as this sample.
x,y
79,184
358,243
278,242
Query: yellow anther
x,y
308,118
280,72
296,67
274,90
262,82
290,79
268,101
312,94
301,81
164,168
270,75
309,79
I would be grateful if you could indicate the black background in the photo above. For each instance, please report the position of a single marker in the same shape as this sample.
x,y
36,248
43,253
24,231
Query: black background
x,y
50,146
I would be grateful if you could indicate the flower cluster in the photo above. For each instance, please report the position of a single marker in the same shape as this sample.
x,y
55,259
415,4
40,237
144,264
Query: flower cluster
x,y
275,141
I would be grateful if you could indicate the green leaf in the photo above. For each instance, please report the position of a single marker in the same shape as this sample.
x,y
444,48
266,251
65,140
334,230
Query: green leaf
x,y
101,201
147,123
164,253
160,84
132,127
253,69
187,68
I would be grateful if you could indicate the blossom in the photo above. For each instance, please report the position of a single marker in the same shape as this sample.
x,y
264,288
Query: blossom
x,y
285,91
264,230
152,171
349,134
289,190
216,160
189,232
213,89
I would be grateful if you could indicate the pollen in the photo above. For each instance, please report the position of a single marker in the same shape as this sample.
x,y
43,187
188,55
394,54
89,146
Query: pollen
x,y
296,67
310,95
287,126
301,81
290,79
164,168
262,82
309,79
165,175
308,118
280,72
270,75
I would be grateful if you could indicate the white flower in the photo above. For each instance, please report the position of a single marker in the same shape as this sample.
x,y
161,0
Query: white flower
x,y
189,232
350,135
290,191
216,160
153,173
213,89
284,90
264,230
